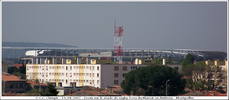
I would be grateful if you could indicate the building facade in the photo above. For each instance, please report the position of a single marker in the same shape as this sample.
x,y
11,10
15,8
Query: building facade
x,y
96,75
11,83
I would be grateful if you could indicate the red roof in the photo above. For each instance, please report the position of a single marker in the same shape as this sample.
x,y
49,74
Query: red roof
x,y
18,65
9,77
34,83
203,93
94,91
82,91
215,93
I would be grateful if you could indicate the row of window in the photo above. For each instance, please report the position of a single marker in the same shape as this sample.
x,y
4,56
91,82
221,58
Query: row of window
x,y
117,74
14,85
66,81
59,67
124,68
66,74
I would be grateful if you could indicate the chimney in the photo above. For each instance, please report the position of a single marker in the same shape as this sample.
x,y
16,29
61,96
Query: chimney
x,y
164,61
136,61
79,60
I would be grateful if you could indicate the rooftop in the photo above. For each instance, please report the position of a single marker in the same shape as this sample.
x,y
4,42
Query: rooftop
x,y
93,91
9,77
34,83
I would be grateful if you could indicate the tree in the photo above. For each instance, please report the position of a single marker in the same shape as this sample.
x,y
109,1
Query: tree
x,y
11,70
22,70
188,60
51,91
151,80
197,75
33,92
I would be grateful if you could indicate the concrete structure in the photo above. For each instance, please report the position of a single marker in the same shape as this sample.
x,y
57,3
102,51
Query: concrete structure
x,y
177,67
96,75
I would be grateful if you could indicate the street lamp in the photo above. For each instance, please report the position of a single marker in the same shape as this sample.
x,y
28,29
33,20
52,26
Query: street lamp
x,y
166,86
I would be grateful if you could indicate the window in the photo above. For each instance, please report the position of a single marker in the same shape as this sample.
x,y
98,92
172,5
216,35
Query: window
x,y
116,82
66,75
123,74
116,68
73,84
70,67
70,74
97,67
60,84
124,68
66,81
97,74
115,74
66,67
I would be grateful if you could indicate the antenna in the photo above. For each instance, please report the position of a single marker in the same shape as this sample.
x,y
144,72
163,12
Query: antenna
x,y
118,34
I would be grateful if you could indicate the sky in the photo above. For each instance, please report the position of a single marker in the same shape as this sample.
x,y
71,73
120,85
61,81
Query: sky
x,y
156,25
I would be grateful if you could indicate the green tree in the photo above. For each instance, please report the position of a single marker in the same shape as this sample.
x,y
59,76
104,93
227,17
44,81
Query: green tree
x,y
188,60
51,91
151,80
33,92
22,70
11,70
193,72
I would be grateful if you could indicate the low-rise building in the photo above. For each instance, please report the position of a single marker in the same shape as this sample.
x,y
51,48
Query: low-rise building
x,y
11,83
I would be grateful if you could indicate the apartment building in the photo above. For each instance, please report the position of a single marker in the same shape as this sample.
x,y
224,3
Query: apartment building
x,y
68,74
218,73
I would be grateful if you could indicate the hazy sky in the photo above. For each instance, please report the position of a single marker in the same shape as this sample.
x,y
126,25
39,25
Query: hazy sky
x,y
159,25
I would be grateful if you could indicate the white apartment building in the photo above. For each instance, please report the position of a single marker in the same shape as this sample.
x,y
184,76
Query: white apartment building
x,y
96,75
